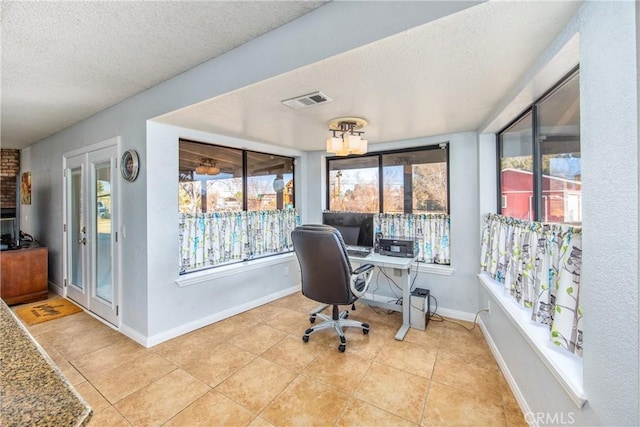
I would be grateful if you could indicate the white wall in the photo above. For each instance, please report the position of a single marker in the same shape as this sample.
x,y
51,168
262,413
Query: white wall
x,y
609,132
286,48
153,305
456,292
173,308
609,140
46,221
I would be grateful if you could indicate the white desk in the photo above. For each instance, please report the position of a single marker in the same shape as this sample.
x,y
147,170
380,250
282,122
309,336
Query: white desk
x,y
401,266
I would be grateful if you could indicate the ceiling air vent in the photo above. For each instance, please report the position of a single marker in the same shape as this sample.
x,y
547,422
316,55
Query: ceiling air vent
x,y
308,100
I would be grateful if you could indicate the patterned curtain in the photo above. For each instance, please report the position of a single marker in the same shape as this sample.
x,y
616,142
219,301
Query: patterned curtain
x,y
210,239
270,231
539,265
430,230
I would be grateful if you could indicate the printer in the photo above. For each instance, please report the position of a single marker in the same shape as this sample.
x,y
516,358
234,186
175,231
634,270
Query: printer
x,y
404,247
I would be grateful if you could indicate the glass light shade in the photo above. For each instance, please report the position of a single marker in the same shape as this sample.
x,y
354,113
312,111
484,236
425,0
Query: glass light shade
x,y
201,170
213,170
358,146
353,144
334,145
344,151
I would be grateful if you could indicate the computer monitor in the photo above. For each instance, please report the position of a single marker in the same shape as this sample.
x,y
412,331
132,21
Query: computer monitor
x,y
356,228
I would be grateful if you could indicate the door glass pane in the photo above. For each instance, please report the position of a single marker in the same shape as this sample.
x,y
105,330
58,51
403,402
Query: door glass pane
x,y
353,184
516,170
104,282
269,182
76,226
559,130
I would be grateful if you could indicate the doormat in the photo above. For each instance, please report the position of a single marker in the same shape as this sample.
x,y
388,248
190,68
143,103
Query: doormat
x,y
47,310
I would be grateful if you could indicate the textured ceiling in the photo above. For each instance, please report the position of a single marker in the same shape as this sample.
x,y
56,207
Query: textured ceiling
x,y
446,76
65,61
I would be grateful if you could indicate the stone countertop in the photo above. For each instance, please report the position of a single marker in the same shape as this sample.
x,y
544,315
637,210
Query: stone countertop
x,y
33,390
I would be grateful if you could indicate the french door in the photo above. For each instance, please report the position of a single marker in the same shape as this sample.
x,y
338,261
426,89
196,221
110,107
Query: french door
x,y
91,277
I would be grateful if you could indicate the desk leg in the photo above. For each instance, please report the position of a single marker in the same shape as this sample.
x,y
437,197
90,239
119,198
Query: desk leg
x,y
406,301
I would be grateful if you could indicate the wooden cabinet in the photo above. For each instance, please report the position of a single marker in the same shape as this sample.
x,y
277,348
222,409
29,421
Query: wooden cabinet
x,y
24,276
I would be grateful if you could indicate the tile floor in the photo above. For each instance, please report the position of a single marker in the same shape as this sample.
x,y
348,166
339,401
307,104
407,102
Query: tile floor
x,y
253,369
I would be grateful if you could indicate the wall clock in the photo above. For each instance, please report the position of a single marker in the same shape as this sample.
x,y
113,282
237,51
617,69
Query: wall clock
x,y
129,165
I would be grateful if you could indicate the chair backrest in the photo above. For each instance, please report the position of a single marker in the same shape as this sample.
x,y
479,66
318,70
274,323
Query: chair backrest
x,y
324,264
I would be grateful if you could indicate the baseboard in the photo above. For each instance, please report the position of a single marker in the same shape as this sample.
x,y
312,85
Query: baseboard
x,y
470,317
455,314
55,288
513,385
134,335
216,317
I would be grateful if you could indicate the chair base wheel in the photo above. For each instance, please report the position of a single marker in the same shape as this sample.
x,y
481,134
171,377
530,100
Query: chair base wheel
x,y
336,322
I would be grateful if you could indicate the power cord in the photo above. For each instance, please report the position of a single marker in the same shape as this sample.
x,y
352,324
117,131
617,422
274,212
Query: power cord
x,y
391,281
475,320
439,318
398,299
381,269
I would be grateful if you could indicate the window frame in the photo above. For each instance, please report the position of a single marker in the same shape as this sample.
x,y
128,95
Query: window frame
x,y
245,171
380,154
536,148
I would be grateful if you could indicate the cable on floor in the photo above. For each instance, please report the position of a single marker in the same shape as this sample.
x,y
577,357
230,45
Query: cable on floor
x,y
439,318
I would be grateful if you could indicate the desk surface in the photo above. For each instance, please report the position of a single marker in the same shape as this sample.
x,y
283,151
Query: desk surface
x,y
384,261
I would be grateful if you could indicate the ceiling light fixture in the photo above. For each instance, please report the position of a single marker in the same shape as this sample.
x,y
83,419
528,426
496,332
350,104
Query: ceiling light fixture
x,y
346,137
207,167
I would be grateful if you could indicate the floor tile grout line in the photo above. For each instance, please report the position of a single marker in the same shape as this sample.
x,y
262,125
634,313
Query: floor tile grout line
x,y
370,359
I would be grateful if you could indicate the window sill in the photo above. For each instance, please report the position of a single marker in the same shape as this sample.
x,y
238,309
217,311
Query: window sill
x,y
565,367
231,269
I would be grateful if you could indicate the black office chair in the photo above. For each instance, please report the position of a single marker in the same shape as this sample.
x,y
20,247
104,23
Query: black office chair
x,y
327,277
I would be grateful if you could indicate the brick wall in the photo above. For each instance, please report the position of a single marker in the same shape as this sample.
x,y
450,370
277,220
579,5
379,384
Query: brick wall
x,y
9,170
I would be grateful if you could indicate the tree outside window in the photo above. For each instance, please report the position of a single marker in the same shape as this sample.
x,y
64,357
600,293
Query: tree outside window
x,y
412,181
212,179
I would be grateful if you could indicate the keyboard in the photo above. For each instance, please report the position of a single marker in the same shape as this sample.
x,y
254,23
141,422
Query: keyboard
x,y
358,251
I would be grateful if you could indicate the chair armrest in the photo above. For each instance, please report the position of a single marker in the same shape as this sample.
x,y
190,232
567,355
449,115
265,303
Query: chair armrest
x,y
365,270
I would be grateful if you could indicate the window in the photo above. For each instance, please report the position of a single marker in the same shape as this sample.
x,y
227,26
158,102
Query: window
x,y
222,179
269,182
540,168
516,166
353,184
406,192
406,181
235,205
